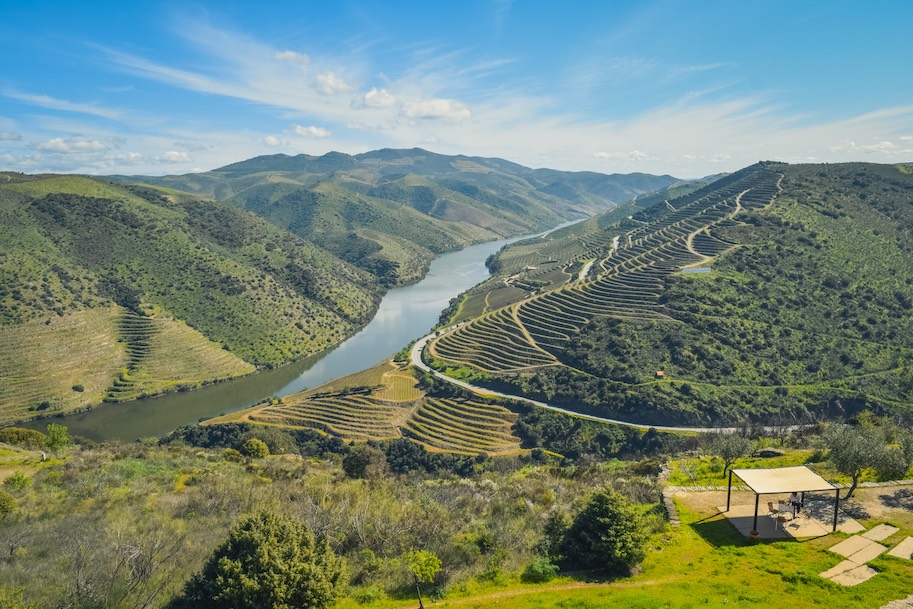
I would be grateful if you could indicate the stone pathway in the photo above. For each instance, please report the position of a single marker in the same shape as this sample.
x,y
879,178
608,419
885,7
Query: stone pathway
x,y
859,550
881,532
904,603
903,550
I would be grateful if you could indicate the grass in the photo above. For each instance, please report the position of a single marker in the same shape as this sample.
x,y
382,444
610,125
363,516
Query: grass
x,y
707,563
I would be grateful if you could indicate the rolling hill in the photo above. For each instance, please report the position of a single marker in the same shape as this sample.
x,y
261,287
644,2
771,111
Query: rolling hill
x,y
390,212
111,292
775,294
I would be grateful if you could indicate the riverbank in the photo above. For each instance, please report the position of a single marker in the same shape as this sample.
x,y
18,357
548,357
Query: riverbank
x,y
404,314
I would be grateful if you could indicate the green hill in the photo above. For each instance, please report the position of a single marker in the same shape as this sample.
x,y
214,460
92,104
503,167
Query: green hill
x,y
116,291
806,311
390,212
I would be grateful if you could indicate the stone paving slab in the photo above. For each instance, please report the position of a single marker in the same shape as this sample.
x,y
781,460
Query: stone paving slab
x,y
870,552
881,532
855,576
851,545
842,567
904,549
904,603
850,527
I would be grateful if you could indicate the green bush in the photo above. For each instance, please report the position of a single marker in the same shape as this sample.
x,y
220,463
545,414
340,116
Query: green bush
x,y
607,534
539,571
255,449
7,504
268,561
17,482
20,436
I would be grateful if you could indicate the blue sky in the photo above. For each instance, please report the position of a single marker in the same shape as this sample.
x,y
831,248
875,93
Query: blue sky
x,y
686,88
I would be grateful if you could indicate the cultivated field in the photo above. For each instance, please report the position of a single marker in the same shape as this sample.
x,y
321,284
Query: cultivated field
x,y
625,282
384,403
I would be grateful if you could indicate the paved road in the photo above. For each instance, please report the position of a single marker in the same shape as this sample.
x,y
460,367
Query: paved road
x,y
419,348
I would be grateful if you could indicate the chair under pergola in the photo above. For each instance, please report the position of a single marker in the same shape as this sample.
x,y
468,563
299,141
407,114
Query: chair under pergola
x,y
780,480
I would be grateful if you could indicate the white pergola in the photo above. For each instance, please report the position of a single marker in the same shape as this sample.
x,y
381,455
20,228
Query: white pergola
x,y
778,480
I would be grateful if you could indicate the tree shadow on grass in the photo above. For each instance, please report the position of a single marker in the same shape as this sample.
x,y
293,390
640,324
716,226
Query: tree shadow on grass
x,y
900,499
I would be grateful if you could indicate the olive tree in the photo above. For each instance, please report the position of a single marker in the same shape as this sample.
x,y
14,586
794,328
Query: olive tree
x,y
853,449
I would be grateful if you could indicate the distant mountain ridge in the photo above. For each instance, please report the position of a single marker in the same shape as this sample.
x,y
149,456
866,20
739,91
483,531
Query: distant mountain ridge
x,y
390,211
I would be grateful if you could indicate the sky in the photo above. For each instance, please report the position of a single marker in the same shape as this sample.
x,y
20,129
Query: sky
x,y
681,88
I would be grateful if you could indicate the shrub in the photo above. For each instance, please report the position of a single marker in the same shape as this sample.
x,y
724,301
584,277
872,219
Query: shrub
x,y
364,461
78,388
607,534
255,449
230,454
539,571
17,482
7,504
21,436
268,561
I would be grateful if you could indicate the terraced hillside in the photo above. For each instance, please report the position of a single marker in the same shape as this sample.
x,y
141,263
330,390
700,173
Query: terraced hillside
x,y
807,310
390,212
384,403
628,281
127,291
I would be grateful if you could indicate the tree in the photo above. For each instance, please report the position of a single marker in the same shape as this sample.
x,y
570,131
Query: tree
x,y
424,565
607,534
255,449
268,562
729,447
364,461
58,437
856,448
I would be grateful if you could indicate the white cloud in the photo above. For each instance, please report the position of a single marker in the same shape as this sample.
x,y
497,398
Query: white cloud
x,y
291,56
9,136
449,109
883,146
375,99
906,138
634,155
46,101
71,145
272,140
311,131
330,84
175,156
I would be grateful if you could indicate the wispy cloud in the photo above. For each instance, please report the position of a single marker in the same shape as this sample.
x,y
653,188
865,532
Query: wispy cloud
x,y
9,136
311,131
52,103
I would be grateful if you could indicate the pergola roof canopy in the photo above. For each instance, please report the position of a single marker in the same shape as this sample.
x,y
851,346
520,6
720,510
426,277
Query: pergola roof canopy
x,y
783,480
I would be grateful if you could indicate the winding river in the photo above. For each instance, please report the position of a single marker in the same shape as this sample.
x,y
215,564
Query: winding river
x,y
404,314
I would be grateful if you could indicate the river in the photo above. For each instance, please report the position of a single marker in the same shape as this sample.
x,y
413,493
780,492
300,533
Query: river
x,y
404,314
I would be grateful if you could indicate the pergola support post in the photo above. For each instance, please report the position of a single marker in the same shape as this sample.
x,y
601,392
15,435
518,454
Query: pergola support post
x,y
729,491
757,499
836,506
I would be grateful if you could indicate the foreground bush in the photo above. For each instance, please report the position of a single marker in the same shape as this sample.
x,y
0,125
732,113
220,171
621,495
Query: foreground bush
x,y
607,534
268,562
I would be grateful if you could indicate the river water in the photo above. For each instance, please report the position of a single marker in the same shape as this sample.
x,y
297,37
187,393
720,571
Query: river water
x,y
404,314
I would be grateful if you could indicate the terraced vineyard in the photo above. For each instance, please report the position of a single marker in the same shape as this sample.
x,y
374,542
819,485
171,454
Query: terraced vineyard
x,y
163,353
530,334
384,403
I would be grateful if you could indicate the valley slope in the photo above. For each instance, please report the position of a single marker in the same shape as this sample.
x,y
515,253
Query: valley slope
x,y
390,212
111,292
776,294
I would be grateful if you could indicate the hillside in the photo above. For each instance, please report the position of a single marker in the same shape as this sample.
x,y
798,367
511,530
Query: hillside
x,y
390,212
111,292
802,307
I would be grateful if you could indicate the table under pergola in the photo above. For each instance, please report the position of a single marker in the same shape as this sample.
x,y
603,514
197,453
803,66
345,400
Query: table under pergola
x,y
779,480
